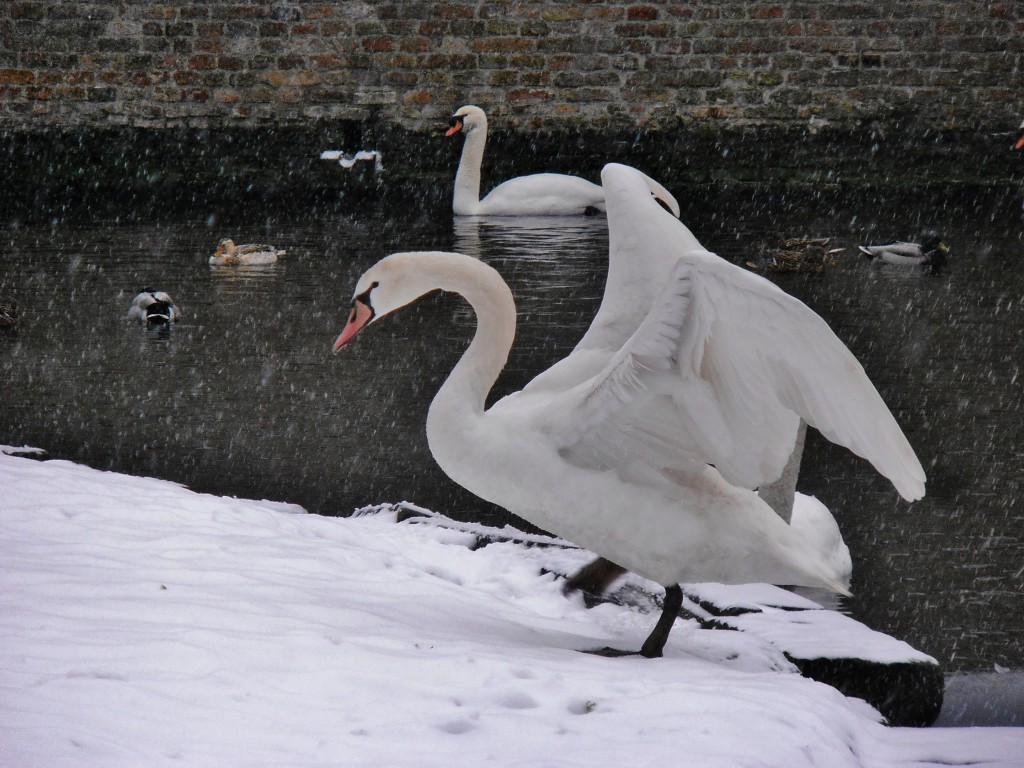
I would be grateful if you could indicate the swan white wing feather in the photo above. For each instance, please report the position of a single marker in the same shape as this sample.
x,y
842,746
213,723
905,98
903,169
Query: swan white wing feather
x,y
722,353
641,253
644,244
591,419
765,358
769,355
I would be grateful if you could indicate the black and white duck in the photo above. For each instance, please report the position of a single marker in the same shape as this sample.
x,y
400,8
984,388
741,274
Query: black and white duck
x,y
153,307
930,253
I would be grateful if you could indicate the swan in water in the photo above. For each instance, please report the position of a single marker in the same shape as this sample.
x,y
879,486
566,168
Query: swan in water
x,y
540,194
931,252
153,307
230,255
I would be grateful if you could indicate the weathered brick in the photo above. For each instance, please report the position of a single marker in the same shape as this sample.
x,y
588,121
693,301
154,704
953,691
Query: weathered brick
x,y
202,61
379,44
291,61
273,29
179,29
641,13
421,97
528,94
453,11
414,44
766,12
16,77
211,45
448,61
403,78
503,78
506,44
98,93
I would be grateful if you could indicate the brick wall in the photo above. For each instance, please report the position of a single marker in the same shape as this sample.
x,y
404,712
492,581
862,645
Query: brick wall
x,y
947,64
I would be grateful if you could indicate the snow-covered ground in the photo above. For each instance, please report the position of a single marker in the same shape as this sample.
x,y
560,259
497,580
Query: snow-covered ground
x,y
143,624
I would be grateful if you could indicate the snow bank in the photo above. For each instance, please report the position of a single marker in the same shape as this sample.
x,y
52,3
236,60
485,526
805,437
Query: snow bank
x,y
144,624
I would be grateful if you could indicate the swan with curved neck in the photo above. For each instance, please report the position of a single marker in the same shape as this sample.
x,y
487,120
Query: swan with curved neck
x,y
535,453
540,194
645,443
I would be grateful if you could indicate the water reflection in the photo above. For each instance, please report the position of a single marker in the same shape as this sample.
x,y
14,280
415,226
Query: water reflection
x,y
243,276
555,267
529,237
244,397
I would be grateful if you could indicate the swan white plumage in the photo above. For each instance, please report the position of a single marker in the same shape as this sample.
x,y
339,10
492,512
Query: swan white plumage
x,y
540,194
751,360
250,254
751,364
151,306
597,449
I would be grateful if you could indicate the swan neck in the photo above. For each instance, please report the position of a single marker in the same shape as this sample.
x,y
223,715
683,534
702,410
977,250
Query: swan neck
x,y
466,388
467,178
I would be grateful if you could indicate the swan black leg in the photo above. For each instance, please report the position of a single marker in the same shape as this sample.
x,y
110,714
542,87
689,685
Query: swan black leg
x,y
655,642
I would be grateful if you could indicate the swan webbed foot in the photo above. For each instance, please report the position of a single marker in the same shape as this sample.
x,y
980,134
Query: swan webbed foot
x,y
655,642
610,653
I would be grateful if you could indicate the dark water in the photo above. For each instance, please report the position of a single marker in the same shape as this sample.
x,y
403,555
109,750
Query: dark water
x,y
244,397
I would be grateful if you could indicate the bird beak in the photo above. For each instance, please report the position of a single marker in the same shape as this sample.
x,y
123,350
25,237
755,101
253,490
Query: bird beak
x,y
1018,145
456,126
358,319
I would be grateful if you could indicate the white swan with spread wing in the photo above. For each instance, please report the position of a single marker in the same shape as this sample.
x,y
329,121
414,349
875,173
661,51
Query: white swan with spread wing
x,y
612,447
539,194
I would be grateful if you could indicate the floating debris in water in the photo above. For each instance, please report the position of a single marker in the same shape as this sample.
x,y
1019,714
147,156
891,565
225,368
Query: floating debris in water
x,y
347,161
795,255
9,316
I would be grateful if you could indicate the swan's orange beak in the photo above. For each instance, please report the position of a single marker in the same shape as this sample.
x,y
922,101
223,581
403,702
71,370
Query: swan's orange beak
x,y
1020,143
456,126
359,318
